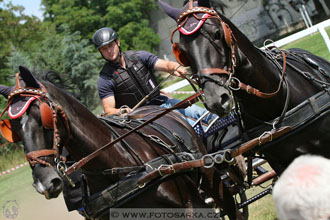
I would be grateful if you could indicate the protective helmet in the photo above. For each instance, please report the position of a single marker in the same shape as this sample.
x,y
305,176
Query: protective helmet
x,y
103,37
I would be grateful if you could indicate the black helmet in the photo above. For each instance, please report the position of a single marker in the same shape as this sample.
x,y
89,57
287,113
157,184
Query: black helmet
x,y
104,36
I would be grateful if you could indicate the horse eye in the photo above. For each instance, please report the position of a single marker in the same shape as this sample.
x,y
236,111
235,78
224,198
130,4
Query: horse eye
x,y
217,34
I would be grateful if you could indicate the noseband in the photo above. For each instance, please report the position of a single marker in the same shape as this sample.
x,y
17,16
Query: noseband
x,y
232,83
50,113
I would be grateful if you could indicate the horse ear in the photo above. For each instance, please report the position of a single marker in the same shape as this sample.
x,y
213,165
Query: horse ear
x,y
204,3
169,10
5,90
28,77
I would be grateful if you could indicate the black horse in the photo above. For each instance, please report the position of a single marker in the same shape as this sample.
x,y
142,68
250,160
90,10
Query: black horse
x,y
262,85
50,119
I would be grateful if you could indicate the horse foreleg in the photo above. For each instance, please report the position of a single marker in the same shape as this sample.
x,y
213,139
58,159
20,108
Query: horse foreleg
x,y
215,188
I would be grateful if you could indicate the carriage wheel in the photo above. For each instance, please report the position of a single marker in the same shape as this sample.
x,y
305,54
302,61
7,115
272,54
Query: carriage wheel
x,y
241,198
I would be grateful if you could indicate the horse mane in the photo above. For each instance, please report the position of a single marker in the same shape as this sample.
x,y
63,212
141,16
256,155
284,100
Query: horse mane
x,y
214,4
244,44
56,79
218,5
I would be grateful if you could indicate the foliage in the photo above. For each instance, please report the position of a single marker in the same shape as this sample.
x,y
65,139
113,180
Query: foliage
x,y
129,18
136,36
68,55
80,16
18,30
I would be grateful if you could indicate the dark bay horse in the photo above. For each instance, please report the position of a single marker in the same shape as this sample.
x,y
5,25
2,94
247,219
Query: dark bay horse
x,y
65,122
262,85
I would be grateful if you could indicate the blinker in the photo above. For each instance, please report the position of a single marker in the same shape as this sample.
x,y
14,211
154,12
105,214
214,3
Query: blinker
x,y
46,115
179,56
7,132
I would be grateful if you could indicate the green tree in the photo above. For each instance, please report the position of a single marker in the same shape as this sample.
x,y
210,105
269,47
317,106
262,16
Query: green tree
x,y
18,30
80,16
130,18
69,55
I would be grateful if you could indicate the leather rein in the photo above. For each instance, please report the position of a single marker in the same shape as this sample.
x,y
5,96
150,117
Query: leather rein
x,y
50,112
232,83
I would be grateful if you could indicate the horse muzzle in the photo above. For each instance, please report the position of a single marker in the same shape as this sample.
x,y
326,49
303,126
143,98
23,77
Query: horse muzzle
x,y
218,99
47,182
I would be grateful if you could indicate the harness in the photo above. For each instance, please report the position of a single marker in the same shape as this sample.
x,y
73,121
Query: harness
x,y
50,113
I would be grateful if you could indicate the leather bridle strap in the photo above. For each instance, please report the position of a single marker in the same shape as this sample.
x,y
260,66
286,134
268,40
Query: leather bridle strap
x,y
260,94
183,104
209,71
249,89
33,157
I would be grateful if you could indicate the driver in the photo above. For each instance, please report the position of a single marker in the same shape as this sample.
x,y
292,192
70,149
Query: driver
x,y
126,78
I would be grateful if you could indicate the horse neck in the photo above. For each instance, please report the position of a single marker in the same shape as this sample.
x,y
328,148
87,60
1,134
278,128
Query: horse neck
x,y
87,132
256,70
253,66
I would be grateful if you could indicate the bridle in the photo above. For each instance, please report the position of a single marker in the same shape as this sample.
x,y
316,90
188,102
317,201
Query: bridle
x,y
232,83
229,38
50,113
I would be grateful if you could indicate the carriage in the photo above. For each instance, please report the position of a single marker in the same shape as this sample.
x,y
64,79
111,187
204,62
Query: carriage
x,y
155,159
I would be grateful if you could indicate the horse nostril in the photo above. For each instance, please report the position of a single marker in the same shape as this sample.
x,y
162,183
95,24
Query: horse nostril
x,y
56,183
224,99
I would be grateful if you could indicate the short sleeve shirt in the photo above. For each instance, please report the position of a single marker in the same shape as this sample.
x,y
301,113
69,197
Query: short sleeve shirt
x,y
106,84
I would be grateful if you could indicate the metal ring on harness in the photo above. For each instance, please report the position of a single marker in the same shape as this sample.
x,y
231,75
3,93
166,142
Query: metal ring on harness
x,y
165,167
61,167
263,134
141,185
227,157
218,158
122,109
208,161
235,81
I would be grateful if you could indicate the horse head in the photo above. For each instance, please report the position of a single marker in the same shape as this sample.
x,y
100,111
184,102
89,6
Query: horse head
x,y
32,123
206,45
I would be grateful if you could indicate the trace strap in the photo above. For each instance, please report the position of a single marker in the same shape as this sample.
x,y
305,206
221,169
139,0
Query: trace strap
x,y
183,104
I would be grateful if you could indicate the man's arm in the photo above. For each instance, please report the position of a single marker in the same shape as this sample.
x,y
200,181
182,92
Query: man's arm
x,y
169,67
109,106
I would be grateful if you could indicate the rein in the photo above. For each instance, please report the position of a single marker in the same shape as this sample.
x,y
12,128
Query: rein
x,y
50,112
183,104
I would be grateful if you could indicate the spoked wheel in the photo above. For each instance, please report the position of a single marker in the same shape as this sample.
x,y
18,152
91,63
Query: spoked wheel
x,y
239,199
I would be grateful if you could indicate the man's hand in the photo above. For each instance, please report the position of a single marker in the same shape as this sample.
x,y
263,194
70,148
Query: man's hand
x,y
180,72
124,111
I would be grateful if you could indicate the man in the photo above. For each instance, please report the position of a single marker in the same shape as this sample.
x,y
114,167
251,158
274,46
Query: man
x,y
302,191
126,78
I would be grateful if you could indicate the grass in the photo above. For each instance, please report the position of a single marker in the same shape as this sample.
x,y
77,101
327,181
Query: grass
x,y
12,184
262,209
313,43
17,187
12,157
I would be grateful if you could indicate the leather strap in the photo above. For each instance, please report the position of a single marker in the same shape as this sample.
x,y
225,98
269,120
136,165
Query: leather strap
x,y
33,157
187,165
183,104
264,177
262,139
215,71
257,92
165,170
